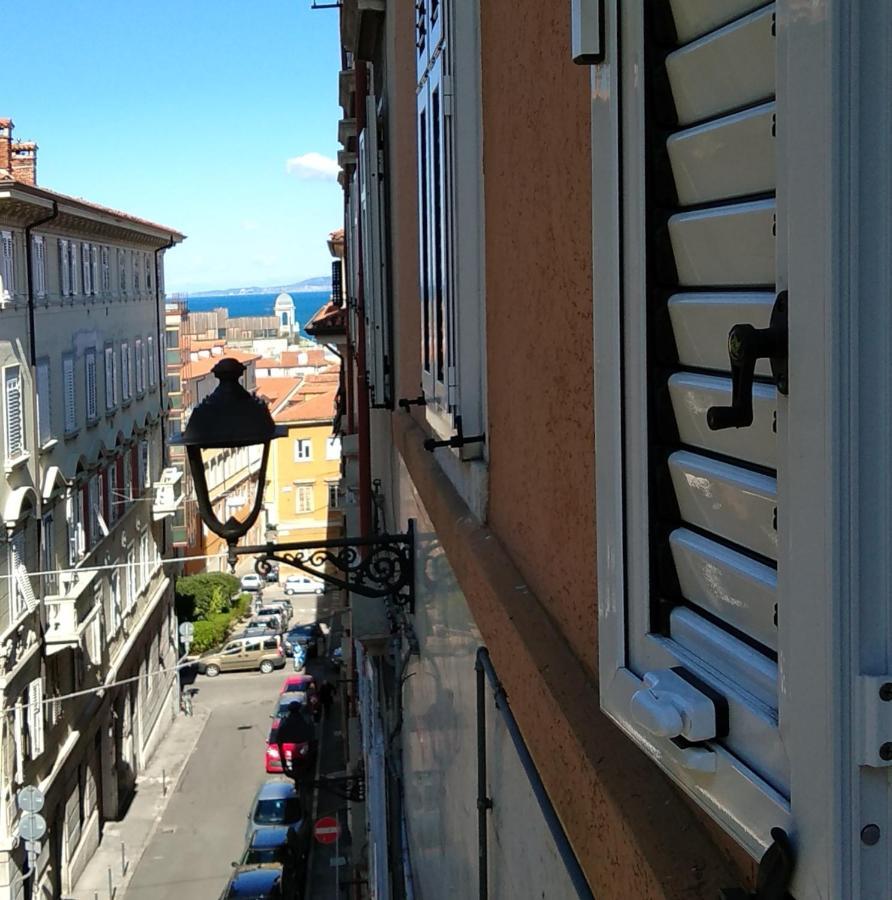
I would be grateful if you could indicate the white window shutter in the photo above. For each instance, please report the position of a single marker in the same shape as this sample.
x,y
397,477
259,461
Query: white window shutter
x,y
44,410
94,269
69,396
90,384
87,275
64,272
150,343
22,590
7,268
73,266
19,738
35,717
38,246
14,414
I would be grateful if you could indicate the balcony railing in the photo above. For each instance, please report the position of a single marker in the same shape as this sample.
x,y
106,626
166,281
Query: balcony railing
x,y
68,612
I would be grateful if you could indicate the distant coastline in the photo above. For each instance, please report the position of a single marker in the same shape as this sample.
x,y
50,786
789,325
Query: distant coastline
x,y
306,304
307,286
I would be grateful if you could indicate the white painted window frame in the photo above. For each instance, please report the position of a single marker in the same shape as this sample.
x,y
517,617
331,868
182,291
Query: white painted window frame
x,y
69,394
305,491
91,385
332,448
64,269
303,450
126,387
106,270
111,377
73,267
457,65
44,402
38,244
152,361
15,448
140,366
7,265
833,462
86,269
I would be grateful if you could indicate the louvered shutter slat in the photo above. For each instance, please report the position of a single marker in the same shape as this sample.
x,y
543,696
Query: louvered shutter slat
x,y
35,717
15,432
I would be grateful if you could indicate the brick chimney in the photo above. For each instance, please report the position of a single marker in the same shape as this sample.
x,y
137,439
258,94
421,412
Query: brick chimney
x,y
24,162
6,127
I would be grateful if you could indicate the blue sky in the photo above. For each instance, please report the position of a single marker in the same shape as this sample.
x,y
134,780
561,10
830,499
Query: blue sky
x,y
218,118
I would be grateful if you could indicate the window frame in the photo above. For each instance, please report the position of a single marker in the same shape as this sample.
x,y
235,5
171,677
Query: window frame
x,y
91,397
304,496
151,362
22,443
126,385
139,367
38,245
64,268
452,68
298,447
69,395
7,265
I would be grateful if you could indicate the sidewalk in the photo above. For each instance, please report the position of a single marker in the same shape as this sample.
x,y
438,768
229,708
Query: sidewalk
x,y
153,791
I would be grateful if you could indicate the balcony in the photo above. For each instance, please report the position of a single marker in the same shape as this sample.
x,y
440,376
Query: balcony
x,y
69,612
168,494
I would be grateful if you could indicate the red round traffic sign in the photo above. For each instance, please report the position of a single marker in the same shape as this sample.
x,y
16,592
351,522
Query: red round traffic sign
x,y
326,830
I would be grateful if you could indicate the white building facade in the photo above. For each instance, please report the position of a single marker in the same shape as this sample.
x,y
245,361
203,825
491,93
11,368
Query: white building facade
x,y
84,601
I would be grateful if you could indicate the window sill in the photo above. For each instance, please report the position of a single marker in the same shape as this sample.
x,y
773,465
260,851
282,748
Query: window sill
x,y
12,464
110,413
126,403
71,435
92,423
46,446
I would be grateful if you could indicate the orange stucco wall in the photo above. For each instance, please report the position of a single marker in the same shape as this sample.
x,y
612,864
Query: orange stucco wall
x,y
537,173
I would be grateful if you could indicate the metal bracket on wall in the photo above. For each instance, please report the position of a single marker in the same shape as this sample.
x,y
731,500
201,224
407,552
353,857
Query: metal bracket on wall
x,y
420,400
457,440
775,872
382,566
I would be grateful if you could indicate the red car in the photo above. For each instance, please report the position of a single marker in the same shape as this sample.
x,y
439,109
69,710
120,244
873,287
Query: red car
x,y
299,744
305,689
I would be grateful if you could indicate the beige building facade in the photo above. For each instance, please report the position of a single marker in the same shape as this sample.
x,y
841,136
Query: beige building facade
x,y
85,603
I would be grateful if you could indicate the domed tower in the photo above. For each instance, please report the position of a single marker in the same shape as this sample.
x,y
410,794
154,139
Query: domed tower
x,y
284,310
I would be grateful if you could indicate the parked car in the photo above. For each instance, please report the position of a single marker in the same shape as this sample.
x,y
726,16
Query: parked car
x,y
262,882
276,803
271,621
266,845
293,734
263,631
269,610
282,606
309,636
303,584
273,575
252,582
306,689
264,653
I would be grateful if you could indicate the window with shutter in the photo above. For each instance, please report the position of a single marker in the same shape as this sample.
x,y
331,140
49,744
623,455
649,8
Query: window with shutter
x,y
48,554
94,269
122,271
86,269
13,413
90,387
372,206
44,402
114,492
337,288
303,498
150,353
125,371
64,270
303,450
147,268
36,717
7,266
111,395
69,394
695,523
134,266
38,246
140,365
450,185
106,273
73,267
145,476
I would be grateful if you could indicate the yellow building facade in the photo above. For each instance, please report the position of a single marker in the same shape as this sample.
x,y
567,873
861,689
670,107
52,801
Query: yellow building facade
x,y
303,496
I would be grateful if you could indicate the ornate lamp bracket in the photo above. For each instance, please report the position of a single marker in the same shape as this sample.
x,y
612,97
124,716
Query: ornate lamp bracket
x,y
382,566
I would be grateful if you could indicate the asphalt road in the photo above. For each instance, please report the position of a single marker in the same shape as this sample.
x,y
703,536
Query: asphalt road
x,y
203,828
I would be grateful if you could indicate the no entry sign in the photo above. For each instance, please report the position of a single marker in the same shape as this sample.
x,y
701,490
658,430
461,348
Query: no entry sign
x,y
326,830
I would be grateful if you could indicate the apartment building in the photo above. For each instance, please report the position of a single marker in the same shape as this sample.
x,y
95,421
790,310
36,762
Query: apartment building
x,y
232,475
85,605
616,281
303,494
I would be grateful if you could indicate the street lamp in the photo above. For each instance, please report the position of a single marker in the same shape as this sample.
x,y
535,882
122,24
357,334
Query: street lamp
x,y
228,418
381,566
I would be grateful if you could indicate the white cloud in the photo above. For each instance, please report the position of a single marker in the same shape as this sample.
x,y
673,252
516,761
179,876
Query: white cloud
x,y
313,167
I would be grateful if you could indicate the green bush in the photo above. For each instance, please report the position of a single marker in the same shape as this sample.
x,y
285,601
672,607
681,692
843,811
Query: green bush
x,y
201,596
212,629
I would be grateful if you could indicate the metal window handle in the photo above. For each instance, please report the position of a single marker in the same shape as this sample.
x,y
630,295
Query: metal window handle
x,y
746,345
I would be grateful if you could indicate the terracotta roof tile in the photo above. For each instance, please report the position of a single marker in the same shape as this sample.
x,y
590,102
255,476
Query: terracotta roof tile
x,y
203,366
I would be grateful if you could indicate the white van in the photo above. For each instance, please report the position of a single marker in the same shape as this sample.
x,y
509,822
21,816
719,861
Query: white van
x,y
303,584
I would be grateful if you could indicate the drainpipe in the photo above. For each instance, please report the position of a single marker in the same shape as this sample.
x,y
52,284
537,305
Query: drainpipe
x,y
362,399
484,803
483,664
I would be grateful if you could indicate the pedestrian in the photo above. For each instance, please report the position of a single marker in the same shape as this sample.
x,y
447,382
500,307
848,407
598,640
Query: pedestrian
x,y
326,695
299,656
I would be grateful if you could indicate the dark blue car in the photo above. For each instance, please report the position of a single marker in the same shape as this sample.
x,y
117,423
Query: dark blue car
x,y
263,882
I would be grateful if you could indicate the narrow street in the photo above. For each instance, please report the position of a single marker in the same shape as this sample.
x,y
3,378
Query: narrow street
x,y
202,829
